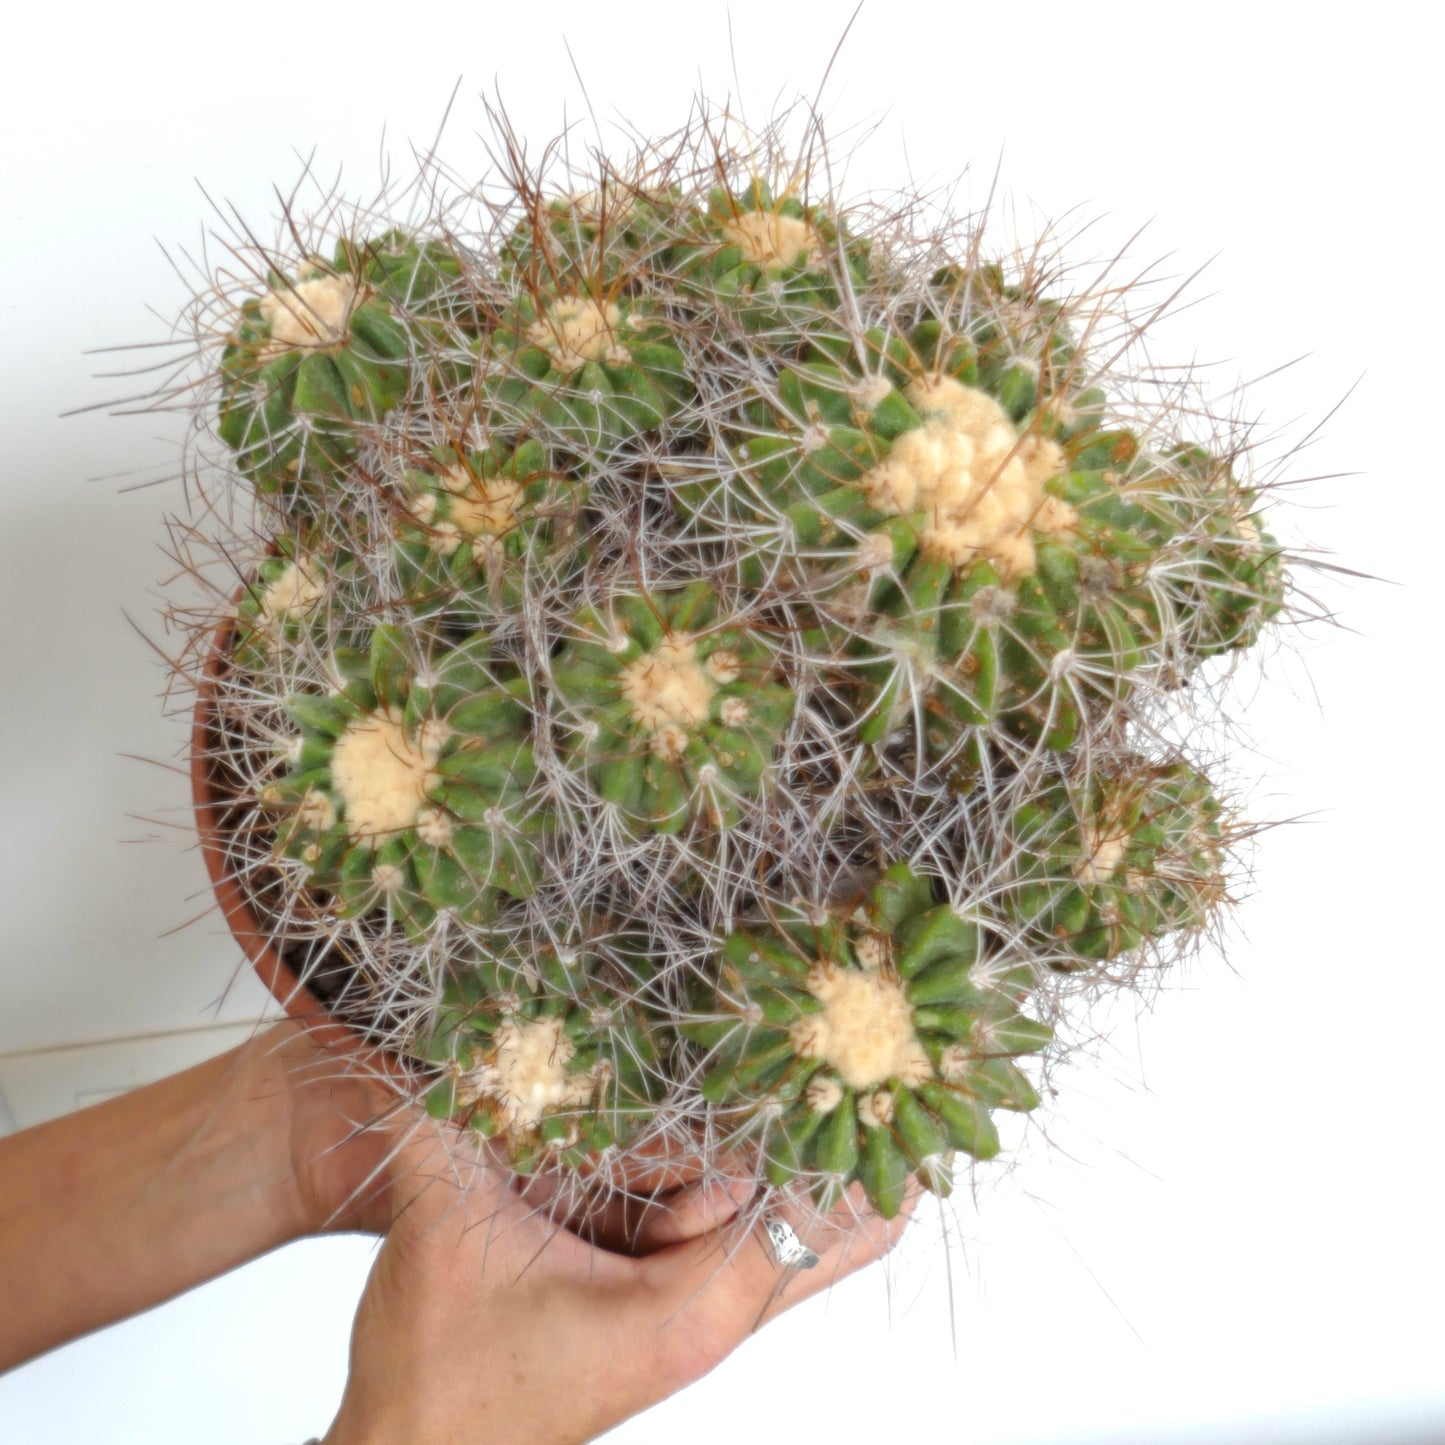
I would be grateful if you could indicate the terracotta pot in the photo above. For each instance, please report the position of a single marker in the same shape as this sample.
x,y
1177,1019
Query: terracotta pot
x,y
650,1171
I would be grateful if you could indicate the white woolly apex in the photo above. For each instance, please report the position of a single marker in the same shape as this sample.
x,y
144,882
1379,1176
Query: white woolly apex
x,y
423,507
772,240
482,506
823,1093
525,1075
865,1030
669,687
1103,853
295,594
314,312
876,1109
978,482
381,774
576,330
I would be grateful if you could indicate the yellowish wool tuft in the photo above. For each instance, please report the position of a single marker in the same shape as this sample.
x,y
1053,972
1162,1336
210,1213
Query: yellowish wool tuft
x,y
876,1109
432,736
724,666
670,742
955,1062
294,594
669,686
773,241
388,878
444,538
433,828
871,392
865,1031
313,312
315,811
577,330
482,507
873,949
873,552
979,484
1103,853
525,1075
823,1094
382,775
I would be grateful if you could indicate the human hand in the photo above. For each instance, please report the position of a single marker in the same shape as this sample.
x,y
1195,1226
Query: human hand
x,y
485,1321
342,1117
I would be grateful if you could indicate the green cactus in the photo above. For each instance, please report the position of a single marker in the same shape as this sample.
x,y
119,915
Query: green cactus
x,y
619,231
478,522
323,355
288,597
407,788
1115,857
766,261
997,586
673,710
592,369
696,567
1236,584
534,1052
868,1045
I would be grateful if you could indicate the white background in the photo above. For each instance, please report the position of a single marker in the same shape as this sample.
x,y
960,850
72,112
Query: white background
x,y
1231,1231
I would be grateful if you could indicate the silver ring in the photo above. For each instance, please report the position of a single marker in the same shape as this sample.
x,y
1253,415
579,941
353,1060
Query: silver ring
x,y
788,1249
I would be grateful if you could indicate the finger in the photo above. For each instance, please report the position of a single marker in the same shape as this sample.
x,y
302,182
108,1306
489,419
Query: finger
x,y
849,1237
733,1287
633,1223
692,1212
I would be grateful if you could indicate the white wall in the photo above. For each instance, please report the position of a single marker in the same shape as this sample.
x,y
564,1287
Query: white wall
x,y
1234,1215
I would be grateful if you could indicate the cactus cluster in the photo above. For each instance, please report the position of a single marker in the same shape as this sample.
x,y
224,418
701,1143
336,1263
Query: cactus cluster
x,y
700,678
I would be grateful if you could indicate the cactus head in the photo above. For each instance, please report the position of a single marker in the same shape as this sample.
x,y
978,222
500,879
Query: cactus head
x,y
1115,857
535,1051
407,793
867,1044
674,710
322,355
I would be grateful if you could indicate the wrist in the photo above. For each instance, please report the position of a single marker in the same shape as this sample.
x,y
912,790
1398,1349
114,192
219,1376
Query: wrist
x,y
331,1143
